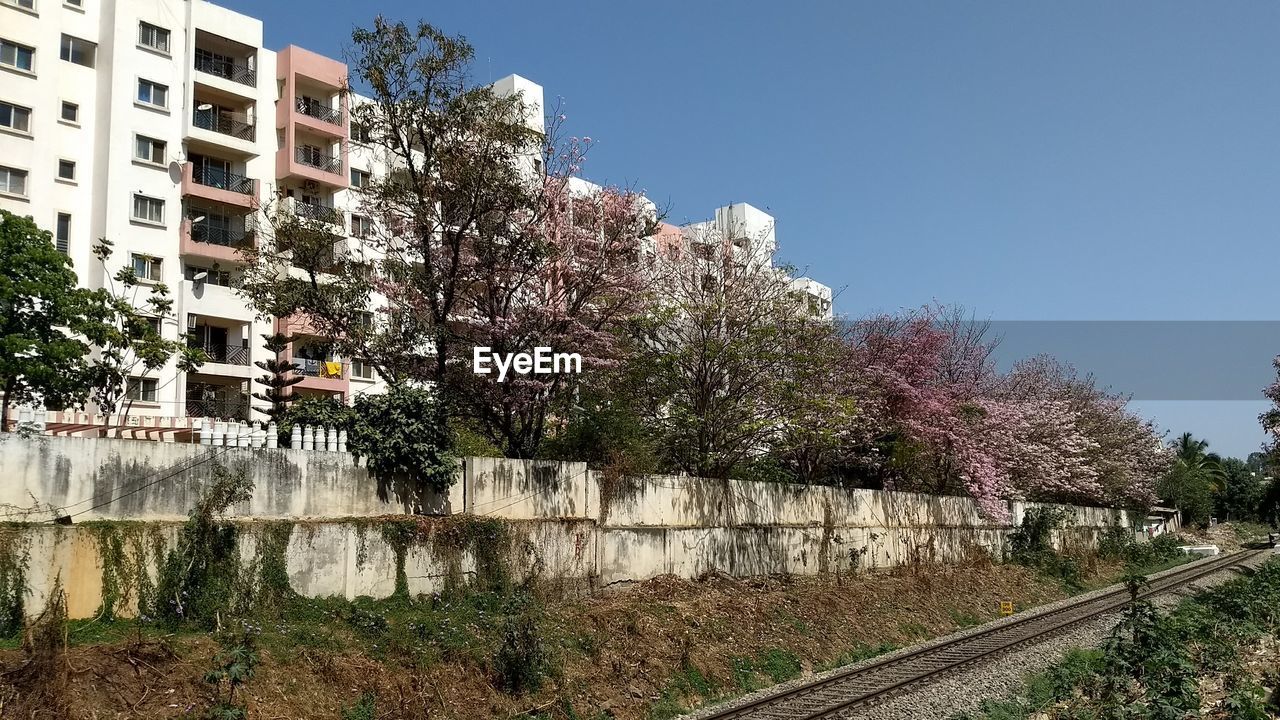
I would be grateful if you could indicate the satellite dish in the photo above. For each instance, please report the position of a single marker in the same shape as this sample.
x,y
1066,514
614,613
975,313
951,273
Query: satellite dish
x,y
201,276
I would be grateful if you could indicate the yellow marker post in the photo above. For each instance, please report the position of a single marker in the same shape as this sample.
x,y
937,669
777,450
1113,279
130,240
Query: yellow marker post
x,y
1006,608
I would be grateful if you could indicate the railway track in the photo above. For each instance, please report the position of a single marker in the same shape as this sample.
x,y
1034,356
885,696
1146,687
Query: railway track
x,y
832,695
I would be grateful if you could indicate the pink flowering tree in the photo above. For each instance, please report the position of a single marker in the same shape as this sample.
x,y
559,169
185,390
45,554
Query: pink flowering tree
x,y
941,419
475,233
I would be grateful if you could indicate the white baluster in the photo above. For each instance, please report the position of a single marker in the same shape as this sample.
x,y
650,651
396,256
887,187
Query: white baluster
x,y
273,439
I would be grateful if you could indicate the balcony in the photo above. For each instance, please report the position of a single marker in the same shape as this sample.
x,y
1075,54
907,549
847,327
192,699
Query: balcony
x,y
216,229
236,125
223,67
328,376
318,110
320,368
216,401
215,185
318,213
215,177
327,163
223,354
207,232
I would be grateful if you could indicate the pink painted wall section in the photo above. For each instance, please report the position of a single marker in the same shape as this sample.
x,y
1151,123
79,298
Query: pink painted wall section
x,y
294,63
669,240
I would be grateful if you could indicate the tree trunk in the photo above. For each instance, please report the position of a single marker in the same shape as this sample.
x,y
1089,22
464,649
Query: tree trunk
x,y
4,407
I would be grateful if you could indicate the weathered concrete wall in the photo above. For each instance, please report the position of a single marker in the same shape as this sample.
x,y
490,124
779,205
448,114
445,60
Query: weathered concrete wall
x,y
573,523
323,559
101,478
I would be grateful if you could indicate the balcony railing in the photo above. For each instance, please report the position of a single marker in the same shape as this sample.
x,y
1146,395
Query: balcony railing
x,y
216,177
225,354
207,62
320,368
225,235
223,409
236,125
318,161
321,213
319,111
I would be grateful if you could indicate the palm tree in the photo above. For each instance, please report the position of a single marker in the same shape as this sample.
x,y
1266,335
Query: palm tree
x,y
1194,459
1196,475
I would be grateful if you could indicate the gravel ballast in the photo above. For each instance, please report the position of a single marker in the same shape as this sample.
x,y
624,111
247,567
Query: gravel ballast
x,y
965,690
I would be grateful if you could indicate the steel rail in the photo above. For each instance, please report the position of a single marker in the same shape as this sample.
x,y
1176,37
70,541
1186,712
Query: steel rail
x,y
837,693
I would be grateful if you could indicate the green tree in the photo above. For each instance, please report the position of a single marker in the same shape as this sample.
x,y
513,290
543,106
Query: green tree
x,y
405,444
131,343
718,367
278,377
1196,476
45,320
1242,491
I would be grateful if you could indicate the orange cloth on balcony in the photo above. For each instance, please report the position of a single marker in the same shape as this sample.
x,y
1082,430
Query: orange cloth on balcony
x,y
333,369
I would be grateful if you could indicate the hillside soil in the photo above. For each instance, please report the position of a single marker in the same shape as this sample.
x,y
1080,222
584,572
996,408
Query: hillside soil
x,y
652,650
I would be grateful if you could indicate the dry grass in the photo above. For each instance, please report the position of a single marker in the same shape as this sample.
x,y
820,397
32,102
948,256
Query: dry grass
x,y
640,652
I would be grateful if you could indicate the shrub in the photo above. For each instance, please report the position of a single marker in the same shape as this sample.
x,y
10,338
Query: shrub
x,y
234,666
522,661
1031,544
403,438
316,412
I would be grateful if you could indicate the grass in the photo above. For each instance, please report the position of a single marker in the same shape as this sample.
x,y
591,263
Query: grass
x,y
964,619
857,655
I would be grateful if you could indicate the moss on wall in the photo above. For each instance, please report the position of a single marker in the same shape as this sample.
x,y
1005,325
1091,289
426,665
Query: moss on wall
x,y
15,559
487,540
128,552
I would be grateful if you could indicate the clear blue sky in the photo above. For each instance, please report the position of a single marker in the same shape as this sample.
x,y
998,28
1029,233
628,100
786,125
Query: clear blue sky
x,y
1029,160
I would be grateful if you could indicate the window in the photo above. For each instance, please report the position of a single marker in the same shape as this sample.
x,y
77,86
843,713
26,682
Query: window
x,y
146,267
25,4
70,112
66,170
362,370
151,93
361,226
156,38
72,3
141,389
15,117
155,324
16,56
13,181
62,236
149,150
148,209
360,132
80,52
359,178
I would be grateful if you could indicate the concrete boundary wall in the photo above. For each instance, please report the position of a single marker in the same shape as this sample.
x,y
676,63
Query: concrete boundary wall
x,y
578,525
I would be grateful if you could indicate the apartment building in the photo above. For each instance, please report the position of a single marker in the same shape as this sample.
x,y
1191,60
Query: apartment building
x,y
166,127
147,123
748,236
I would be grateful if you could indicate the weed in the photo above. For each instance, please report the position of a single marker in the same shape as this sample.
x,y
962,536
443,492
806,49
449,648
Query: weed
x,y
364,709
234,667
522,660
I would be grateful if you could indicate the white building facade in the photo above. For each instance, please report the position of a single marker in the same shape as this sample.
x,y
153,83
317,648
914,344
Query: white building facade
x,y
166,127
